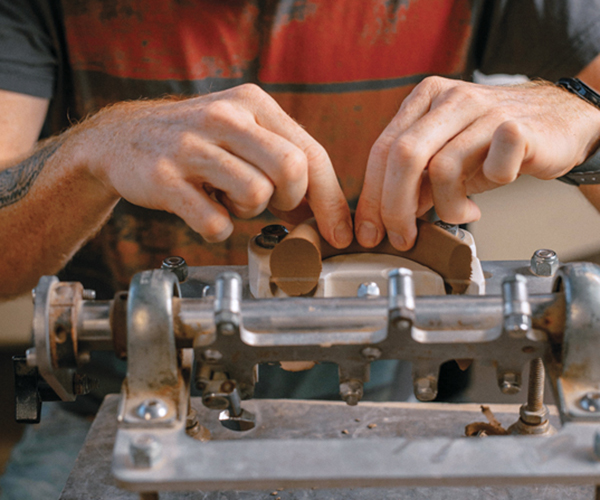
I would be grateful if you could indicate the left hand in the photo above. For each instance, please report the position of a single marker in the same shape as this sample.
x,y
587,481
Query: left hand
x,y
451,139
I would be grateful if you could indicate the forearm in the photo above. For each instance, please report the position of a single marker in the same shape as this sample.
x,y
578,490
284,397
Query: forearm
x,y
50,205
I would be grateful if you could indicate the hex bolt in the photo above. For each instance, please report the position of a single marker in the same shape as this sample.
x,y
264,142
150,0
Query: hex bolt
x,y
590,402
177,265
368,290
271,235
371,353
351,391
533,415
517,310
510,383
152,409
144,450
544,262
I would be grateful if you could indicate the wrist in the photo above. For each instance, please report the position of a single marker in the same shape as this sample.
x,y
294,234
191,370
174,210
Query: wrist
x,y
84,146
587,169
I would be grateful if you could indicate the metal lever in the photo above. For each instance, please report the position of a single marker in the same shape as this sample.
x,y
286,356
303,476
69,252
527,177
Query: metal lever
x,y
30,391
223,395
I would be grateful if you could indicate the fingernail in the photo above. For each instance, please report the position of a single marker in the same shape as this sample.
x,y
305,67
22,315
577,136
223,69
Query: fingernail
x,y
397,240
367,233
343,234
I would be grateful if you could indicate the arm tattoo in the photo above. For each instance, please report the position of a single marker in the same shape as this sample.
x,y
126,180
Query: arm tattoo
x,y
16,181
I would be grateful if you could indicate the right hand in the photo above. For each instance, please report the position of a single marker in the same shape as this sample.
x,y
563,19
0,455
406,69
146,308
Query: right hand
x,y
237,145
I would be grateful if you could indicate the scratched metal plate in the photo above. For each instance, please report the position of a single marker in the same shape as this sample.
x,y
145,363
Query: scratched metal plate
x,y
91,476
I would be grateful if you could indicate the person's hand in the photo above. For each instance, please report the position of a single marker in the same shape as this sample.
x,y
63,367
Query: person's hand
x,y
451,139
233,151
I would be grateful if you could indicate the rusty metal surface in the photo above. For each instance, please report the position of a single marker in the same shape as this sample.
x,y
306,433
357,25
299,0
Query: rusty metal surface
x,y
91,477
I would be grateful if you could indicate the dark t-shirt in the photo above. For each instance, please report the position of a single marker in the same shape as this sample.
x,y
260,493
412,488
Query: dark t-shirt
x,y
340,68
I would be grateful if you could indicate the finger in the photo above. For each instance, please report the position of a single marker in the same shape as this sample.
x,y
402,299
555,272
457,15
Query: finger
x,y
452,167
369,225
507,153
247,189
323,191
283,162
408,158
301,213
199,211
425,195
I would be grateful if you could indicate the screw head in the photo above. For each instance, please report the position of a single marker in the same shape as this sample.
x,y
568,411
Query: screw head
x,y
271,235
368,290
152,409
144,450
544,262
176,265
212,356
590,402
371,353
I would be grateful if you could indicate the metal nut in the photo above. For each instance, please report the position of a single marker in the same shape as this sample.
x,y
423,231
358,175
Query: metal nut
x,y
368,290
177,265
271,235
544,262
144,450
351,392
533,417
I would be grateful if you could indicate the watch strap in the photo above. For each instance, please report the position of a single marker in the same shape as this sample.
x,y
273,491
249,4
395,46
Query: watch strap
x,y
589,171
586,173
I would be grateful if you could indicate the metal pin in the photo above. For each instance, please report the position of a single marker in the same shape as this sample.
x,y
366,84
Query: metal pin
x,y
517,310
228,296
401,294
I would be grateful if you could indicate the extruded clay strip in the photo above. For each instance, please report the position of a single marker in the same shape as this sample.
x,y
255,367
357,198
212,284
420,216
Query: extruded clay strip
x,y
296,262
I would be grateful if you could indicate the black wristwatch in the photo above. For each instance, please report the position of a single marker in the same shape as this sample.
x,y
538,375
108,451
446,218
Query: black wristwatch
x,y
589,171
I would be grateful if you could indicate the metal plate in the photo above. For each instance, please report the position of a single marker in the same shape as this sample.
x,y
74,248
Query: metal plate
x,y
91,477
